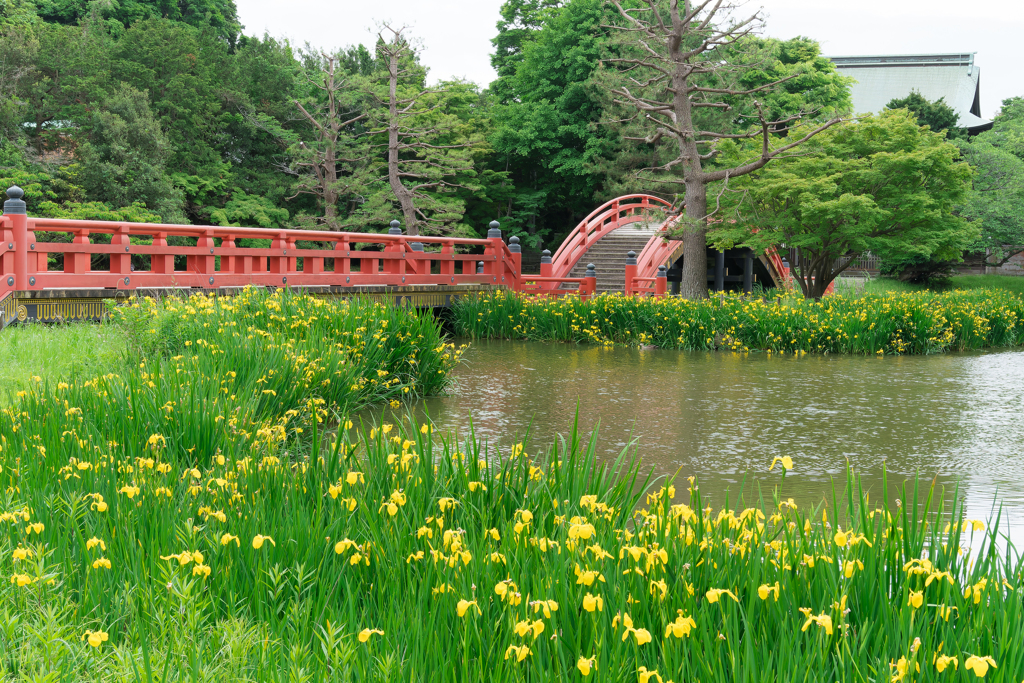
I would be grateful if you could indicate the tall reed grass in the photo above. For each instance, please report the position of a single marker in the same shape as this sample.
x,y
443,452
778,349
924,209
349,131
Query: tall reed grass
x,y
889,323
174,522
398,554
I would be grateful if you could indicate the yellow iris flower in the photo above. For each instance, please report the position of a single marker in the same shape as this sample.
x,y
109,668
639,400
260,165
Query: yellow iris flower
x,y
979,665
464,606
365,634
586,665
520,652
715,593
95,638
258,540
593,602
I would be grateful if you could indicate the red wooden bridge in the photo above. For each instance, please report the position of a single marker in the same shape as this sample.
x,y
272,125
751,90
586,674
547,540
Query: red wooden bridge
x,y
54,269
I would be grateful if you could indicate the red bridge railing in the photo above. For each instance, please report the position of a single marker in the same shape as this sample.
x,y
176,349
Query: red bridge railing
x,y
633,208
145,255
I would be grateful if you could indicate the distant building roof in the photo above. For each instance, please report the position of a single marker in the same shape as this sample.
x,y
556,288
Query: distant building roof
x,y
882,78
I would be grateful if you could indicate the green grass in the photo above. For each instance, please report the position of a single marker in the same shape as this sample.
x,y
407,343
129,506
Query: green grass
x,y
459,562
196,517
52,351
882,285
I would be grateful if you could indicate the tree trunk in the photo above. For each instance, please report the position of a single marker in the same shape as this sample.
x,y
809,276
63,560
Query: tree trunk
x,y
330,182
402,193
694,284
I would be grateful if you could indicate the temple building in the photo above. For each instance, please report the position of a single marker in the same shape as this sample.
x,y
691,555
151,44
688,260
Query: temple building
x,y
883,78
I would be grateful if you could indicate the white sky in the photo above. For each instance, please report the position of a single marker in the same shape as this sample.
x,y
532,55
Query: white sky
x,y
456,34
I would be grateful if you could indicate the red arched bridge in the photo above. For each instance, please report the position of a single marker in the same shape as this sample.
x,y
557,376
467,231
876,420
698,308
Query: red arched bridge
x,y
56,269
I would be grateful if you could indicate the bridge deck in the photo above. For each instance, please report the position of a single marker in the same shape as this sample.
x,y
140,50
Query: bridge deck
x,y
59,305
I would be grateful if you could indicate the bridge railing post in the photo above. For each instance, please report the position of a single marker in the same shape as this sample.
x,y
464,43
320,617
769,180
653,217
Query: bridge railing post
x,y
77,263
342,262
494,253
446,266
661,281
516,250
417,261
630,272
591,280
546,268
16,212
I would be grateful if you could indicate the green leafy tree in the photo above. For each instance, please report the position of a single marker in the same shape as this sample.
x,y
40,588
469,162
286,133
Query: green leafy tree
x,y
123,159
258,124
546,135
17,14
678,70
70,76
184,70
882,184
18,53
221,15
520,22
996,199
424,151
937,115
250,211
330,161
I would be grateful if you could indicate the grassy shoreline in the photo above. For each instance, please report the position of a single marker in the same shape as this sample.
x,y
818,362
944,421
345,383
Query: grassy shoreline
x,y
891,323
188,519
396,554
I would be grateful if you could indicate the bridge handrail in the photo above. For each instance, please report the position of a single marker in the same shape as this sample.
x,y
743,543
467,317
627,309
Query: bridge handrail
x,y
399,260
601,221
658,251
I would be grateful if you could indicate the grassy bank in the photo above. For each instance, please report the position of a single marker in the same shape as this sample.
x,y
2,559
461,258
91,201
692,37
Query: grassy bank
x,y
396,554
882,285
230,373
54,351
902,322
187,518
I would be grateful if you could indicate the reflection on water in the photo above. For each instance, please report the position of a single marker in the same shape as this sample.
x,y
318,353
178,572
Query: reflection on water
x,y
723,417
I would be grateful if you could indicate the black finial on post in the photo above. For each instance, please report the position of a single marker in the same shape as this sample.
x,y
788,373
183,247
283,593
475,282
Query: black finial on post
x,y
479,267
630,258
14,203
545,256
514,246
416,246
591,270
494,230
662,271
395,229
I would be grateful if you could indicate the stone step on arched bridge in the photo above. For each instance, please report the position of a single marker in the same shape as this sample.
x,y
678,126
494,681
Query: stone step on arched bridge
x,y
609,256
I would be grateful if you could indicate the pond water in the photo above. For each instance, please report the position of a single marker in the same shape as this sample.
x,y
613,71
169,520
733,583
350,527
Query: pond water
x,y
956,418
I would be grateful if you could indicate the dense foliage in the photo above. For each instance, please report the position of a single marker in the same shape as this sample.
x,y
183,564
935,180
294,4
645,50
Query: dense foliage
x,y
882,184
398,554
890,323
996,199
146,110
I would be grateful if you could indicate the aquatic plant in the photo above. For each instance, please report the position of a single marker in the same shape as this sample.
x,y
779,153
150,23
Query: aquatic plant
x,y
173,521
889,323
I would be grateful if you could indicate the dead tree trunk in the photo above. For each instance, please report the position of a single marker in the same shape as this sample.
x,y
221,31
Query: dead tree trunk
x,y
322,158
